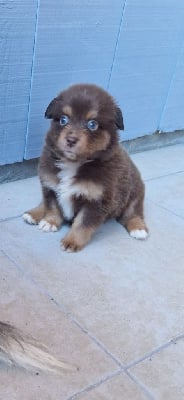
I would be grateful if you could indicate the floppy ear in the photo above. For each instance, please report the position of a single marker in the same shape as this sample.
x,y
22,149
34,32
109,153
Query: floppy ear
x,y
52,111
119,119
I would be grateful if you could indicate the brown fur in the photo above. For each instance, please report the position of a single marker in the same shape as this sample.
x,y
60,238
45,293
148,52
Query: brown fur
x,y
78,235
135,223
105,182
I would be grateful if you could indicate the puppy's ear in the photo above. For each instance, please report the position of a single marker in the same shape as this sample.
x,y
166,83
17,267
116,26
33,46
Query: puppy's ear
x,y
119,119
52,111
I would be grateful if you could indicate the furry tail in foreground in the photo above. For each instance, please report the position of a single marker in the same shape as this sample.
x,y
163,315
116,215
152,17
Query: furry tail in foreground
x,y
22,351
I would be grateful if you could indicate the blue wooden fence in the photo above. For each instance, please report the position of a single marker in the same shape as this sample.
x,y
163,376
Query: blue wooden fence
x,y
133,48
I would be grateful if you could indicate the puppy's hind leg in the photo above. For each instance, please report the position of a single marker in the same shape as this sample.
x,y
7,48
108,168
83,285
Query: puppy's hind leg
x,y
133,220
137,228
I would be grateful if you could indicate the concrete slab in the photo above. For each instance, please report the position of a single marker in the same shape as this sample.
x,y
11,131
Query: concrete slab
x,y
115,284
117,302
23,304
162,373
168,192
15,196
117,388
161,162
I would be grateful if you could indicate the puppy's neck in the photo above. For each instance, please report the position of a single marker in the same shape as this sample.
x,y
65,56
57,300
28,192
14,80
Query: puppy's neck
x,y
108,154
67,164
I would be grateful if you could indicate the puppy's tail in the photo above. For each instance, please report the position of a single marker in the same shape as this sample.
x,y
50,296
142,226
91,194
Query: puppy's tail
x,y
22,351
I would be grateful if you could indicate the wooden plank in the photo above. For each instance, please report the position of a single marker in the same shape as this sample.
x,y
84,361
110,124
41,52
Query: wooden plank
x,y
75,43
148,47
17,21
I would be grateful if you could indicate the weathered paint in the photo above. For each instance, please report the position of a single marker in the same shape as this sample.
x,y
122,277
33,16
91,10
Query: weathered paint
x,y
133,48
17,24
149,44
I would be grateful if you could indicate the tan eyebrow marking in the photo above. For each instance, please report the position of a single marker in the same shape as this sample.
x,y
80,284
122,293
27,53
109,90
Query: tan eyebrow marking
x,y
91,114
67,110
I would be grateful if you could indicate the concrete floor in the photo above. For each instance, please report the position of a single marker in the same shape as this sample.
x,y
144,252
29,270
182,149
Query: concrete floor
x,y
116,308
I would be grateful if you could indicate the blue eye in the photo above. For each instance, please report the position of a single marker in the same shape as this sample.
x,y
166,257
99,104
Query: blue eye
x,y
92,125
64,120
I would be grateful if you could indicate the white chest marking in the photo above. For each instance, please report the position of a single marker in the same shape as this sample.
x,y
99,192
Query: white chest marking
x,y
65,189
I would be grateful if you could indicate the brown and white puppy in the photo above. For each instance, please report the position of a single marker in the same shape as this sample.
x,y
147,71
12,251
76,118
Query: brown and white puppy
x,y
85,174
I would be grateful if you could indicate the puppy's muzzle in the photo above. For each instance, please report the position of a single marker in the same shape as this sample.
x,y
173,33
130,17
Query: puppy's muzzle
x,y
71,141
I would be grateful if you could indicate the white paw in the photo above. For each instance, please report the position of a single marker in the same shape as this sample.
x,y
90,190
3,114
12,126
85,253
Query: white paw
x,y
29,219
68,250
63,248
139,234
46,226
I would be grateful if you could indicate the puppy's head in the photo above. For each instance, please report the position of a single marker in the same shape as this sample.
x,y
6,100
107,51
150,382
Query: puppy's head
x,y
85,122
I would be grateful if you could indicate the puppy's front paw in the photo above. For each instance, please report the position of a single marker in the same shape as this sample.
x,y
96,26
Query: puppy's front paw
x,y
29,219
140,234
70,244
46,226
34,215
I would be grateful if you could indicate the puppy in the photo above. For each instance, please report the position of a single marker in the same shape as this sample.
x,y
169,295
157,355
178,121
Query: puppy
x,y
86,176
16,349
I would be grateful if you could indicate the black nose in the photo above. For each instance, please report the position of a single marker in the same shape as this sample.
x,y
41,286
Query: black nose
x,y
71,141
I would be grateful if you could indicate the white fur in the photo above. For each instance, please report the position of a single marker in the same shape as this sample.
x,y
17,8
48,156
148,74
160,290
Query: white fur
x,y
46,226
65,189
64,249
29,219
139,234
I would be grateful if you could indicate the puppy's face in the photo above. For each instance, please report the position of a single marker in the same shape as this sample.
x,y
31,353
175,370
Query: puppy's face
x,y
85,122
